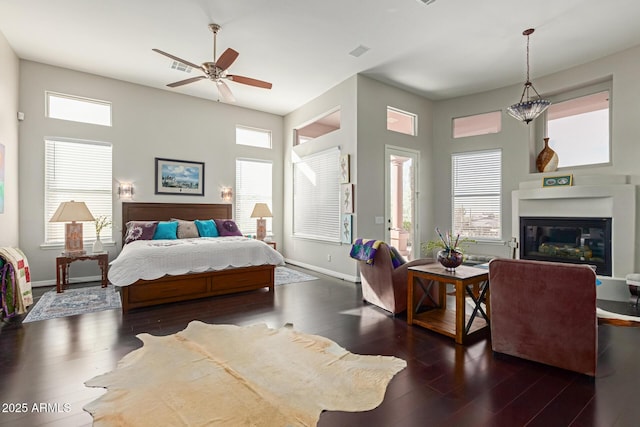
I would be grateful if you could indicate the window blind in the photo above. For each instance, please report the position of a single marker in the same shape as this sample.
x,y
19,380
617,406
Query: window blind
x,y
253,185
80,171
476,193
316,196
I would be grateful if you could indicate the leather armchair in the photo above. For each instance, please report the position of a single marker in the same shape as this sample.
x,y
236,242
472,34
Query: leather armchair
x,y
545,312
385,286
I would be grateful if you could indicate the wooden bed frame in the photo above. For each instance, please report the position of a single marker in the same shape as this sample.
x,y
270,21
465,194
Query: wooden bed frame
x,y
144,293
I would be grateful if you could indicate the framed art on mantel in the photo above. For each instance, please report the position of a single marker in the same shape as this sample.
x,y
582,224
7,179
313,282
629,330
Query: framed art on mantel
x,y
179,177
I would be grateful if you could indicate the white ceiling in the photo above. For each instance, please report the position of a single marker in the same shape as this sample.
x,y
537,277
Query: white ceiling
x,y
446,49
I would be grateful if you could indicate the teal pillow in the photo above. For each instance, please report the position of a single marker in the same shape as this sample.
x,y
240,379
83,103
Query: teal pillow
x,y
166,230
207,228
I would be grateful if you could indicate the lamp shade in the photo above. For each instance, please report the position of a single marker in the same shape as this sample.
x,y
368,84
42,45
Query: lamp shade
x,y
527,111
72,211
261,210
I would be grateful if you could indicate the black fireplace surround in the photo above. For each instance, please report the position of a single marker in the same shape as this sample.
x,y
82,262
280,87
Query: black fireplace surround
x,y
570,240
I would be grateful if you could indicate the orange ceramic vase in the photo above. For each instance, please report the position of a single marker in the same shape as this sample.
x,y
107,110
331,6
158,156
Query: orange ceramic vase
x,y
547,160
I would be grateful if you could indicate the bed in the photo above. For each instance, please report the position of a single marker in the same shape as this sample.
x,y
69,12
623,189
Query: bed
x,y
172,288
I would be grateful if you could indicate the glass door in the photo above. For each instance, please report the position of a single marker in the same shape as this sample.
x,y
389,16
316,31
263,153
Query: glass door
x,y
401,179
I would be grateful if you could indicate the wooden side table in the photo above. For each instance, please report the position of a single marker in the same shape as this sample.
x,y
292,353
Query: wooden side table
x,y
62,268
468,281
270,243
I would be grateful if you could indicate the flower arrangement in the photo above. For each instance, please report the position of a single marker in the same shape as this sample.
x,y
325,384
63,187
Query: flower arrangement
x,y
446,242
101,222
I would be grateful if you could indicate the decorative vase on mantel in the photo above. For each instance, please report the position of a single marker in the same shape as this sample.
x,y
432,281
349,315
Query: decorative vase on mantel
x,y
450,259
547,160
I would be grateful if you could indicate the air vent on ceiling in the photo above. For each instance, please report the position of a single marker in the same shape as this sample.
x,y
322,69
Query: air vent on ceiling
x,y
359,51
175,65
426,2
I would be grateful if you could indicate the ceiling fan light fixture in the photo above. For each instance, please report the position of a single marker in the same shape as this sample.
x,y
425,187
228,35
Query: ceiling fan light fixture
x,y
527,110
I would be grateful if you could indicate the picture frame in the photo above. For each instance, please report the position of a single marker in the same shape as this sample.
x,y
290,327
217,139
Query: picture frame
x,y
346,229
346,198
345,169
557,181
182,177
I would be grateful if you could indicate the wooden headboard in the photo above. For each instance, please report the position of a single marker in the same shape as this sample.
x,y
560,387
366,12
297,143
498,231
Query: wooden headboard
x,y
134,211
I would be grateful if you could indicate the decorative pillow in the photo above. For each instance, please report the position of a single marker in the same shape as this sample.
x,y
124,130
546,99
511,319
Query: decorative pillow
x,y
206,228
140,230
227,227
396,257
186,229
166,230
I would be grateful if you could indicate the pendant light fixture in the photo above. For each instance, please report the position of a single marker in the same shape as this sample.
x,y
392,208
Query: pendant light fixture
x,y
529,109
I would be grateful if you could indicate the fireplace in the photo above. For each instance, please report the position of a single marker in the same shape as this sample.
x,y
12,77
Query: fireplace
x,y
570,240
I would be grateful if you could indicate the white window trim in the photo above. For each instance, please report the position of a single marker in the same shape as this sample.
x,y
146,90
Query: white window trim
x,y
49,93
540,129
255,129
499,194
319,236
55,244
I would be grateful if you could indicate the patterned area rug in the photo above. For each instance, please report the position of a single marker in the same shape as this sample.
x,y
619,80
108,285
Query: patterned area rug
x,y
238,376
74,301
286,275
87,300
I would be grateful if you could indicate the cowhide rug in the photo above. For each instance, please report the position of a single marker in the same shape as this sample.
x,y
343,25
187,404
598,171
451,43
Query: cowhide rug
x,y
232,375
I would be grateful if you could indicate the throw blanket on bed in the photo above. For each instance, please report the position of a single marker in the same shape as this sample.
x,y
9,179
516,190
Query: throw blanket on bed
x,y
152,259
365,249
22,277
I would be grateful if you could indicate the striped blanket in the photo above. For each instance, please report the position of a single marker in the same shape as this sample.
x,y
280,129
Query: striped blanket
x,y
21,283
365,249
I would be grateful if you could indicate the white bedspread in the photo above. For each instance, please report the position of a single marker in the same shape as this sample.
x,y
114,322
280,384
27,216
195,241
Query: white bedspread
x,y
152,259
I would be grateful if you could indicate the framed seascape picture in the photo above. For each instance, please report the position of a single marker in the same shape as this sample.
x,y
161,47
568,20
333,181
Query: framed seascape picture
x,y
179,177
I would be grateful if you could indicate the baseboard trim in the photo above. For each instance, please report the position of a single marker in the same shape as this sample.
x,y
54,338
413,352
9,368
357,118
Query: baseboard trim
x,y
52,282
331,273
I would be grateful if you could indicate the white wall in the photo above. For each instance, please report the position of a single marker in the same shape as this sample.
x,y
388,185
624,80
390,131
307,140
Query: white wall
x,y
9,80
312,253
517,144
147,123
373,99
363,135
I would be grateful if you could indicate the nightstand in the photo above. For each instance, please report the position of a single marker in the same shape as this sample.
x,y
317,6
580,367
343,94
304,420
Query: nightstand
x,y
272,244
62,268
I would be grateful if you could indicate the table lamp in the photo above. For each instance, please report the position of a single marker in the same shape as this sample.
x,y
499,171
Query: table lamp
x,y
70,212
261,211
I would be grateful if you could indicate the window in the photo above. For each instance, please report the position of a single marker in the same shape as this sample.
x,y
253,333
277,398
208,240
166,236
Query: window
x,y
401,121
80,171
578,130
479,124
316,196
253,137
78,109
476,194
328,123
253,185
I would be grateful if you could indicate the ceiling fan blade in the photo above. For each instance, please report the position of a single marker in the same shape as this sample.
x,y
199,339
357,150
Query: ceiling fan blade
x,y
224,90
249,81
186,81
175,58
226,59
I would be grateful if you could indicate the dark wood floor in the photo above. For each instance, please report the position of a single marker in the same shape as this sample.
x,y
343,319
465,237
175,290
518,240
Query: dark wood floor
x,y
443,385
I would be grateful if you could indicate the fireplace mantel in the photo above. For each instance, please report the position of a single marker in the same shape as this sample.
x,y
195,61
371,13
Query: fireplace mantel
x,y
594,196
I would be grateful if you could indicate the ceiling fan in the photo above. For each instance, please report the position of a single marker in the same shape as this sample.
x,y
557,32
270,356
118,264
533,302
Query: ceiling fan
x,y
216,70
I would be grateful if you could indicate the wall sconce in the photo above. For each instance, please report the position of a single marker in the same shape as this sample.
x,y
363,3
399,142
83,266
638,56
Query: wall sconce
x,y
226,194
125,190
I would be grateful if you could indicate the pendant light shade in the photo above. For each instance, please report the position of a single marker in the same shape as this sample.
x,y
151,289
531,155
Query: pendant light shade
x,y
528,109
